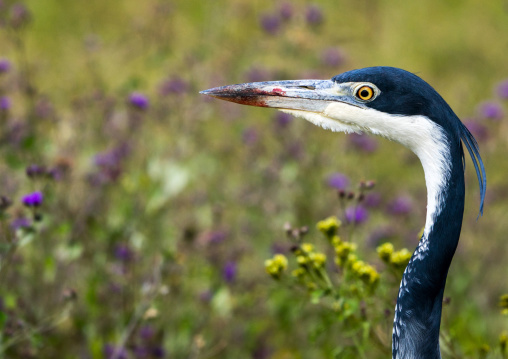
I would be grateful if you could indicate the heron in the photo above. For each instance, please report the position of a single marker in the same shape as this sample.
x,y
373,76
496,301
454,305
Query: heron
x,y
402,107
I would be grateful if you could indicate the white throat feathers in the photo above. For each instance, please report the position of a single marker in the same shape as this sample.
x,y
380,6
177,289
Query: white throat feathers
x,y
418,133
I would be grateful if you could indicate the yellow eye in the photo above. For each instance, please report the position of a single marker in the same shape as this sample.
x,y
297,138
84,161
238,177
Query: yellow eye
x,y
365,93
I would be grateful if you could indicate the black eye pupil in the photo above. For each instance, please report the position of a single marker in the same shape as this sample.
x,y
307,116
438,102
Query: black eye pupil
x,y
364,93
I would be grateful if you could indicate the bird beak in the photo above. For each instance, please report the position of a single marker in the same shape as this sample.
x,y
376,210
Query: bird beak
x,y
303,95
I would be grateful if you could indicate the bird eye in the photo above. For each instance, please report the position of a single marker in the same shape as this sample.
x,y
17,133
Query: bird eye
x,y
365,93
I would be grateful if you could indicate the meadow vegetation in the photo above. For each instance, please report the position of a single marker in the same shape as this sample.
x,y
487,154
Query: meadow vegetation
x,y
140,219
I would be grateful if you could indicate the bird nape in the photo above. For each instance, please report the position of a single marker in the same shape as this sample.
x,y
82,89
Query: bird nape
x,y
399,106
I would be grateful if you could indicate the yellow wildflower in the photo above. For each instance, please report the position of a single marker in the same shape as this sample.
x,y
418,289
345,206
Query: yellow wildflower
x,y
503,341
318,259
335,241
484,349
307,247
385,251
373,276
276,265
365,272
302,260
329,226
281,260
344,249
349,261
311,286
359,267
400,258
503,301
298,273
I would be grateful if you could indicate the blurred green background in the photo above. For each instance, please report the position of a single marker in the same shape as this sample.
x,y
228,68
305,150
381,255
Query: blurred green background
x,y
161,205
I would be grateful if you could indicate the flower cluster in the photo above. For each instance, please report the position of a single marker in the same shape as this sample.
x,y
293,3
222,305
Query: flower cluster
x,y
345,253
365,272
276,266
33,199
329,226
307,258
396,259
139,101
503,303
503,342
346,257
311,267
273,21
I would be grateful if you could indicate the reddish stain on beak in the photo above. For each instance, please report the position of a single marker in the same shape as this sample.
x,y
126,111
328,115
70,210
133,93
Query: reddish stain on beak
x,y
244,95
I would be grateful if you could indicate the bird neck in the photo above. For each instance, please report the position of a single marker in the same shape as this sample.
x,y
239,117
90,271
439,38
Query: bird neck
x,y
419,303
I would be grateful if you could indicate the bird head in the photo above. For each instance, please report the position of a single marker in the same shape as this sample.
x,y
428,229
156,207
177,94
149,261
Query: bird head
x,y
384,101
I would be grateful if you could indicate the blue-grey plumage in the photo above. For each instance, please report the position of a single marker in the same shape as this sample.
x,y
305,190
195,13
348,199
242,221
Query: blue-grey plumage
x,y
400,106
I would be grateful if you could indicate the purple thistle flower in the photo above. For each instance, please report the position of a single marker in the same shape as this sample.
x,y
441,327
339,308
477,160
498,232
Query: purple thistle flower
x,y
5,103
158,352
33,199
279,248
17,131
146,332
295,150
332,57
110,351
479,131
502,89
19,15
140,352
372,199
217,237
338,181
356,214
174,86
20,222
5,66
35,171
283,119
139,100
286,11
400,205
250,136
270,23
58,172
109,163
44,108
106,159
363,142
124,253
229,272
261,350
113,157
491,110
210,238
314,15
